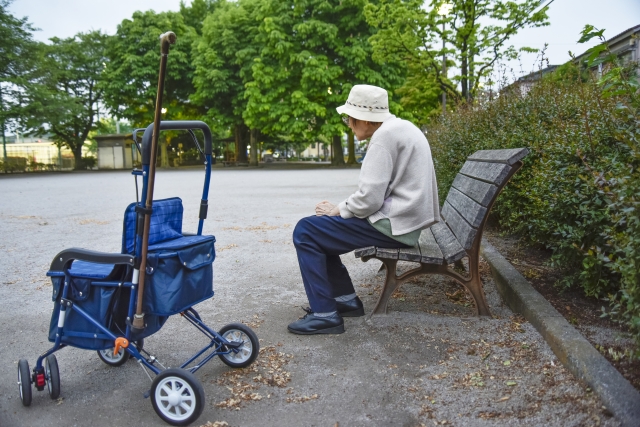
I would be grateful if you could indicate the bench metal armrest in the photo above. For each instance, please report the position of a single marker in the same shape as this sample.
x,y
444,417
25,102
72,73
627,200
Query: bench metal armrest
x,y
64,258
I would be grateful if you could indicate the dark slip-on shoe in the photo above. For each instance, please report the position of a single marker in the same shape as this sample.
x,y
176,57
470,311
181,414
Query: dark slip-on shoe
x,y
311,324
351,308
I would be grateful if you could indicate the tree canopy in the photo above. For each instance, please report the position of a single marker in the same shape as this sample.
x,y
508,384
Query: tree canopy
x,y
477,33
313,52
275,68
197,11
223,57
71,89
131,75
19,53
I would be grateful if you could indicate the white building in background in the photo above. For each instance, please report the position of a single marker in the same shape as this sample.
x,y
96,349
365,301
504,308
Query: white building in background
x,y
626,46
117,151
316,150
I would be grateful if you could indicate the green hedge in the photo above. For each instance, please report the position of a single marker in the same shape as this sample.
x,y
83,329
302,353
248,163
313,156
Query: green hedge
x,y
14,164
578,193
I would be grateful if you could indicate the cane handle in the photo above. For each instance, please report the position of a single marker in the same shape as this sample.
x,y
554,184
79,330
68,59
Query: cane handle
x,y
169,37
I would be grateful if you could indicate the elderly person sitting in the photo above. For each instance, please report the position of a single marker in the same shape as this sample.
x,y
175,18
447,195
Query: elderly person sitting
x,y
397,197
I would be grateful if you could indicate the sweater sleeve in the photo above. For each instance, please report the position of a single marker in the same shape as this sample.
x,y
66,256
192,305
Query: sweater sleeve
x,y
375,176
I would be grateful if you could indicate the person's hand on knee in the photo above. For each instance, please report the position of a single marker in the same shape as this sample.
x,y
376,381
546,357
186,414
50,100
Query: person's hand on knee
x,y
327,208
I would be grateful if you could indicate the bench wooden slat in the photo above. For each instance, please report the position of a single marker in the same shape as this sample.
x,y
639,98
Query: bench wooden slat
x,y
410,254
467,207
387,253
493,173
429,249
369,250
461,228
480,191
508,156
451,249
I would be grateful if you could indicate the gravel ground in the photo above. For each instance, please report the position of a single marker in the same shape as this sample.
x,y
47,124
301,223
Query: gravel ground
x,y
429,362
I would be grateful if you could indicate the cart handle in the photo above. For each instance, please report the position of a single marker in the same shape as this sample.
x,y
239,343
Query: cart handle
x,y
175,125
61,260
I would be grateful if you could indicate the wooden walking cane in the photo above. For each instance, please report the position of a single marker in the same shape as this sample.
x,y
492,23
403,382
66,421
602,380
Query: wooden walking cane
x,y
166,39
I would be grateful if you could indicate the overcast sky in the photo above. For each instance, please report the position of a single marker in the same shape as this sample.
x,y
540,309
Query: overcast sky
x,y
64,18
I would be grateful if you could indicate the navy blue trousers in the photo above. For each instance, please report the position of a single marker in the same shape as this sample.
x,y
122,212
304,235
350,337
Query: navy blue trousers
x,y
319,242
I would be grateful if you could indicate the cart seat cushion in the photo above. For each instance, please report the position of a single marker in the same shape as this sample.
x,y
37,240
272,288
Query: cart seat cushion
x,y
90,270
166,223
179,243
96,271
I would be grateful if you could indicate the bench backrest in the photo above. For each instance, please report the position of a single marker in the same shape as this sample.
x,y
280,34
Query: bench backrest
x,y
475,188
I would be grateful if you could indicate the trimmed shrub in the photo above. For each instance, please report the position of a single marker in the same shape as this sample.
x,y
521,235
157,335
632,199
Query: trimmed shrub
x,y
578,193
14,164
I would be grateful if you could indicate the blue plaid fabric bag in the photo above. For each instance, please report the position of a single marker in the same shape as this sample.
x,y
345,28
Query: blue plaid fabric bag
x,y
179,274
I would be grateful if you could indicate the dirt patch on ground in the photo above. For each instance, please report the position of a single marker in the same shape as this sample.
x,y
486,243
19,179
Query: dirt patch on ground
x,y
583,312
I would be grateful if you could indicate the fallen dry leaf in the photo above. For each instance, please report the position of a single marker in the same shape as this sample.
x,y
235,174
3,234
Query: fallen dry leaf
x,y
301,399
224,248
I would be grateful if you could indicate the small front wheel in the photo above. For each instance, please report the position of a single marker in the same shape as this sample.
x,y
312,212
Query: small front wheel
x,y
249,350
24,382
119,359
177,396
53,376
111,359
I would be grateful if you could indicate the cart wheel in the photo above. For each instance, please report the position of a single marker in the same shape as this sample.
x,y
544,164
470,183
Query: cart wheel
x,y
52,373
177,396
119,359
248,352
108,357
24,382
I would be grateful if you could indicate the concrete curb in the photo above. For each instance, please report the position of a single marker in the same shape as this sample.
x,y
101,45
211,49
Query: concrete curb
x,y
573,350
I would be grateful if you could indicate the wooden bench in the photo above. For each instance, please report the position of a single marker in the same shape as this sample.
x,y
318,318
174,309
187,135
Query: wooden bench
x,y
464,214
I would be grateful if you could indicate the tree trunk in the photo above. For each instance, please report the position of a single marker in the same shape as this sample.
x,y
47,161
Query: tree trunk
x,y
242,140
164,157
471,77
254,147
77,156
352,148
336,150
464,72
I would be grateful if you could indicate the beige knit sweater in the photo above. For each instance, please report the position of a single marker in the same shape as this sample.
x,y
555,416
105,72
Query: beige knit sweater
x,y
397,180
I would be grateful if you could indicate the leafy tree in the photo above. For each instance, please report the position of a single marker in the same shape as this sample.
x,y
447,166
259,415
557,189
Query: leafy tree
x,y
131,75
223,58
477,33
195,14
109,126
314,52
72,70
420,95
19,55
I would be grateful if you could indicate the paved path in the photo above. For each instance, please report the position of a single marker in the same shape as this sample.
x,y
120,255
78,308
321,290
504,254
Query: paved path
x,y
429,362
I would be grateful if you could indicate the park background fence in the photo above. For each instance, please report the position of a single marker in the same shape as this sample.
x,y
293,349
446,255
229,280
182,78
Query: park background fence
x,y
37,156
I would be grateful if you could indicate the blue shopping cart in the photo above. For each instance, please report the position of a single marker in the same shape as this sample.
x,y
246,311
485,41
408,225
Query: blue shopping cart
x,y
96,294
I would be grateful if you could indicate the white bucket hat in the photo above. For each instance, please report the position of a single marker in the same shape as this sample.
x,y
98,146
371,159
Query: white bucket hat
x,y
365,102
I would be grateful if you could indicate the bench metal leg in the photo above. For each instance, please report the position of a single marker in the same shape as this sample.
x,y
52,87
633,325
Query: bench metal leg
x,y
390,284
472,283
